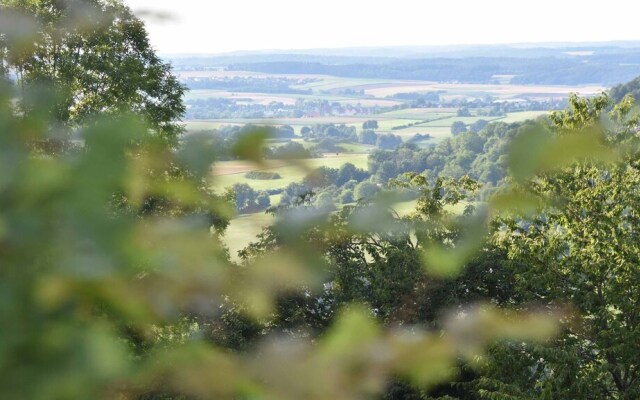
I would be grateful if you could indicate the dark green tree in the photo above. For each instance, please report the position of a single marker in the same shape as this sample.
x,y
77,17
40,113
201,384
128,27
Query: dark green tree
x,y
388,141
365,191
368,136
370,125
583,250
458,127
464,112
97,56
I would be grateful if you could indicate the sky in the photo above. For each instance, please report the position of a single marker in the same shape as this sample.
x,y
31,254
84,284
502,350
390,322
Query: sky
x,y
219,26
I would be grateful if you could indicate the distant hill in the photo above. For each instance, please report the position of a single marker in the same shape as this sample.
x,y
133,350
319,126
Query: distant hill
x,y
605,64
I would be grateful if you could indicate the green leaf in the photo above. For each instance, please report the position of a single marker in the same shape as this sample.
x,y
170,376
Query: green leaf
x,y
249,146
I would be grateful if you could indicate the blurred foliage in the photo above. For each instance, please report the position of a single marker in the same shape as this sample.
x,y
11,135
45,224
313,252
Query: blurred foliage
x,y
115,282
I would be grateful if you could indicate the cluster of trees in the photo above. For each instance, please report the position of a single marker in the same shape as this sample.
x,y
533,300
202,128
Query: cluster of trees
x,y
345,92
387,141
288,151
237,107
370,125
330,131
247,200
98,60
246,107
631,88
481,155
463,112
327,145
327,135
419,137
420,99
325,187
250,84
457,128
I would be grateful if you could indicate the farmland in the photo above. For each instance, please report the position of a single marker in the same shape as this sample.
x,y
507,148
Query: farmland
x,y
229,173
435,122
311,100
367,99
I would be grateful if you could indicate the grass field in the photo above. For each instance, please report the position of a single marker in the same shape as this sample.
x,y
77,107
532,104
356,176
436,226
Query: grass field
x,y
419,113
522,116
228,173
449,121
243,230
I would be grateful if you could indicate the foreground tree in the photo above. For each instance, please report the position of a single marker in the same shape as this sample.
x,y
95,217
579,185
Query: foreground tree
x,y
584,251
97,56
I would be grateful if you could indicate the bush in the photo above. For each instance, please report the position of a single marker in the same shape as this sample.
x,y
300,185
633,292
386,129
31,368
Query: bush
x,y
388,141
263,200
366,191
290,151
368,137
262,175
328,146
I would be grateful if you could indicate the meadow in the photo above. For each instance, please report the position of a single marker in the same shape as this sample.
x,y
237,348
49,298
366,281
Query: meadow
x,y
244,229
228,173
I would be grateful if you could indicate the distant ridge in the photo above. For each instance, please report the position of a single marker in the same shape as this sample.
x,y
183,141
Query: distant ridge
x,y
464,50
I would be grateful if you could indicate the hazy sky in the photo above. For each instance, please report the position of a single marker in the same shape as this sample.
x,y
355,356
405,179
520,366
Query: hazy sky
x,y
214,26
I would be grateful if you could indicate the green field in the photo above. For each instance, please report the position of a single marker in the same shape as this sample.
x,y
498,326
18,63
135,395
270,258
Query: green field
x,y
243,230
438,127
522,116
449,121
289,173
420,113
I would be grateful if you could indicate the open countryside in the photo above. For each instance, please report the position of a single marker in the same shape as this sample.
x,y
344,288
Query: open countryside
x,y
371,99
249,200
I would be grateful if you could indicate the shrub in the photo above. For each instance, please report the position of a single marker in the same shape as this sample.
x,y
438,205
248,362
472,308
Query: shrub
x,y
262,175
